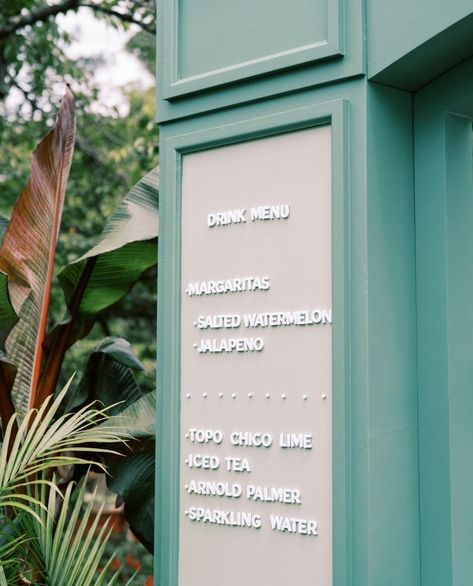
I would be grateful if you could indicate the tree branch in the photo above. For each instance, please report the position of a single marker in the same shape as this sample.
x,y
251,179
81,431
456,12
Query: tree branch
x,y
18,22
125,17
41,15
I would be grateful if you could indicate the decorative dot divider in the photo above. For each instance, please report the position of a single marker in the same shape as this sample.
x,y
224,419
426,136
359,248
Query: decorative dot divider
x,y
250,395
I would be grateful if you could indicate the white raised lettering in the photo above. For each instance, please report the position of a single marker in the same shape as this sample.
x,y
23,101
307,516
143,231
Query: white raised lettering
x,y
302,441
226,218
229,345
291,525
237,464
270,212
203,461
251,439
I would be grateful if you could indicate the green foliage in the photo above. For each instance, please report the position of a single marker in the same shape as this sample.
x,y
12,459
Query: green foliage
x,y
124,250
144,47
117,154
68,551
99,278
112,152
132,477
103,275
32,45
43,441
37,56
39,539
110,378
28,250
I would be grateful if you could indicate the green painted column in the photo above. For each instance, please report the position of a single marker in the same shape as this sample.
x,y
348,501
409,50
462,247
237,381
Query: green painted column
x,y
444,194
231,75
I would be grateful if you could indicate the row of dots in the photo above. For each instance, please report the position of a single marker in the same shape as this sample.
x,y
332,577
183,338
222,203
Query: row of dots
x,y
251,395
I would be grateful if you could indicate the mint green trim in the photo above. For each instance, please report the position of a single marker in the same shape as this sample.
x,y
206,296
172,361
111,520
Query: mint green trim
x,y
393,489
444,223
173,147
400,28
425,61
168,385
174,85
275,82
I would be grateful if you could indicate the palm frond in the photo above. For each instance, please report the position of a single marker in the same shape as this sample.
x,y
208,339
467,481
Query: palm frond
x,y
69,551
43,442
55,538
3,578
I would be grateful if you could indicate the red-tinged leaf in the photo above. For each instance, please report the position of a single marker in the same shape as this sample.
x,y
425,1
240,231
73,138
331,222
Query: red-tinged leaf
x,y
28,251
126,248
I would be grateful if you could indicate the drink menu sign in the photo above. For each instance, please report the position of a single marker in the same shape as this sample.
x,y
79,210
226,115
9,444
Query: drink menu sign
x,y
256,363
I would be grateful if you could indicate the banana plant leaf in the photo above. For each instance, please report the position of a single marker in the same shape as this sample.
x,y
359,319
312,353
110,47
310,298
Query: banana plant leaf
x,y
126,248
108,377
133,477
133,480
28,249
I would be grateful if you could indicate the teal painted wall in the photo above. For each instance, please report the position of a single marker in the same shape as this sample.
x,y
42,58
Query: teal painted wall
x,y
377,365
444,217
397,28
256,36
337,54
405,358
392,398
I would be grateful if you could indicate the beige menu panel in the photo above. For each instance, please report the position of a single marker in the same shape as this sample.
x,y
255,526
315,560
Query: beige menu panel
x,y
256,363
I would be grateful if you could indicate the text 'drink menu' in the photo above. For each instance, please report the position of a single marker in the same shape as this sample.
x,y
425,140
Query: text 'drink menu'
x,y
256,363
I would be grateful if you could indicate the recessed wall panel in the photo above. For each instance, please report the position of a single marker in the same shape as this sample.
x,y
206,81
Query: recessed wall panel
x,y
215,35
211,43
256,363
